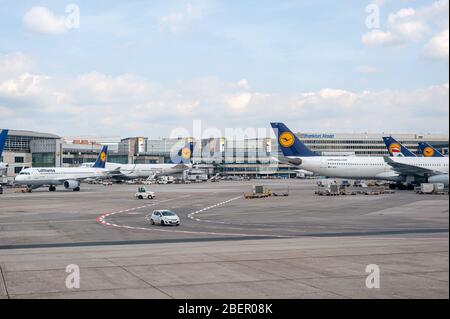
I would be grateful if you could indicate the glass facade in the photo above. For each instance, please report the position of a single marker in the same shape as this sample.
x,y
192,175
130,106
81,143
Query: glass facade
x,y
145,160
44,159
372,145
161,150
78,160
18,143
118,159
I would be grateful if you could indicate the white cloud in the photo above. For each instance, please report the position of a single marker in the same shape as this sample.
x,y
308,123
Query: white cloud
x,y
42,20
109,89
14,64
98,103
176,22
366,69
380,2
377,38
238,101
241,84
404,26
410,25
437,47
23,86
186,107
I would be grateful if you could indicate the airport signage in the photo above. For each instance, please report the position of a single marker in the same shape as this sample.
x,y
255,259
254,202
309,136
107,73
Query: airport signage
x,y
324,135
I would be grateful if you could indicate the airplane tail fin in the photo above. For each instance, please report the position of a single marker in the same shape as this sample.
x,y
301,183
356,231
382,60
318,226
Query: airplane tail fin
x,y
428,151
396,149
3,136
183,155
289,143
102,158
186,153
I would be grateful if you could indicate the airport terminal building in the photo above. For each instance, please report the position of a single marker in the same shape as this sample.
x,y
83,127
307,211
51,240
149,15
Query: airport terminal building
x,y
26,149
368,144
252,157
255,158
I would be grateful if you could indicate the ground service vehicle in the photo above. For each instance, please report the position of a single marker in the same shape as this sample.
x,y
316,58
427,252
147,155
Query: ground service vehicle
x,y
143,193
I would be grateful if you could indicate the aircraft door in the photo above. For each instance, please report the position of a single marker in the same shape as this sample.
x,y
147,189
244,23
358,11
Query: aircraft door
x,y
324,163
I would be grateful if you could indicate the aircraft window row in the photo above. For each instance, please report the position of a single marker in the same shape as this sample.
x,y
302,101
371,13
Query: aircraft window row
x,y
347,147
355,164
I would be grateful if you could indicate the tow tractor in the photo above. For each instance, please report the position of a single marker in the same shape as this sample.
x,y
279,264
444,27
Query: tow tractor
x,y
143,193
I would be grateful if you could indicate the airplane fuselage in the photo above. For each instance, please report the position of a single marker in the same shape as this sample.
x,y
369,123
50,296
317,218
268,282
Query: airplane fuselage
x,y
146,170
375,168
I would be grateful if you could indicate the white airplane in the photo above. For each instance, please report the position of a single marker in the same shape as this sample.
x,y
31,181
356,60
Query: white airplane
x,y
406,171
3,136
69,177
134,171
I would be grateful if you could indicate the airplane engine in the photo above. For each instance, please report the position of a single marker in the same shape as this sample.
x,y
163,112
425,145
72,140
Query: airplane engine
x,y
292,161
295,161
439,179
71,185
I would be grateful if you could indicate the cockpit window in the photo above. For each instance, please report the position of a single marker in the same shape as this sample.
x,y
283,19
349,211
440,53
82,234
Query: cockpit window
x,y
24,173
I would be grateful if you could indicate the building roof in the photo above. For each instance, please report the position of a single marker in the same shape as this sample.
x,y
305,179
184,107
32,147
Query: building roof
x,y
32,134
372,136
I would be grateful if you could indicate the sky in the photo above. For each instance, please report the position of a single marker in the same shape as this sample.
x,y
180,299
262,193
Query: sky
x,y
144,68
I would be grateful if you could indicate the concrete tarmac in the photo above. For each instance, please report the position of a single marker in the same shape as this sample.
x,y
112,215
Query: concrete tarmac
x,y
300,246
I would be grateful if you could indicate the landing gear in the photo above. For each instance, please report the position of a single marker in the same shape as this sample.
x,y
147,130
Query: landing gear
x,y
77,189
52,188
401,186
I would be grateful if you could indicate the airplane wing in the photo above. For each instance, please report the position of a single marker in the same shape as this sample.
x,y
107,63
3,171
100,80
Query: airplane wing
x,y
181,166
406,169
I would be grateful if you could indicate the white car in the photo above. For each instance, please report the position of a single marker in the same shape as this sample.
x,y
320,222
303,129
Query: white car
x,y
163,218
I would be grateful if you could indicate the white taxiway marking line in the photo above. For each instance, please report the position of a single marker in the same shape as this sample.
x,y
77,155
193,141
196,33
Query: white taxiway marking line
x,y
101,220
192,215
